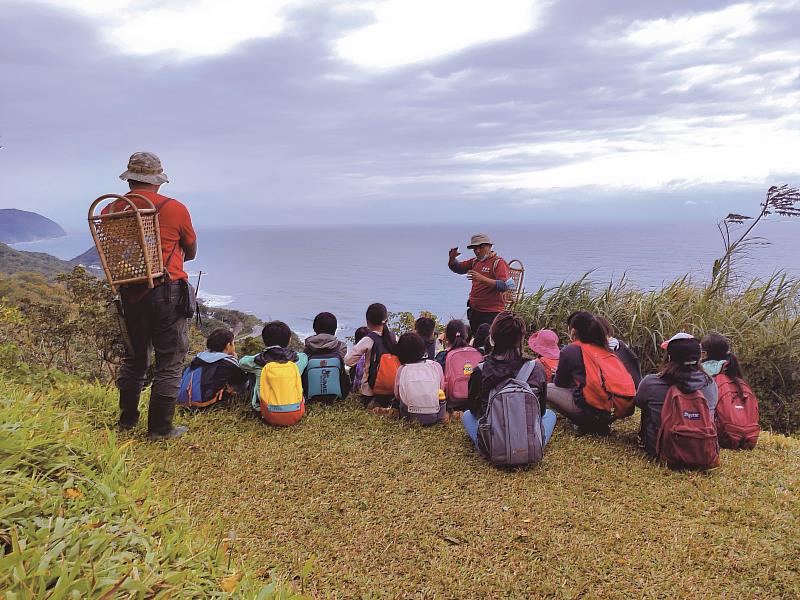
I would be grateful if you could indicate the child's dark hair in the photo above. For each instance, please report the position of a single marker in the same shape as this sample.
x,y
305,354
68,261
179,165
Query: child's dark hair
x,y
360,334
378,315
219,339
325,322
481,341
717,347
425,326
410,348
276,333
588,329
683,361
606,325
456,334
507,332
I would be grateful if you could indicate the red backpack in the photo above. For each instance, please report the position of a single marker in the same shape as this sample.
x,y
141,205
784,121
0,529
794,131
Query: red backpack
x,y
609,386
687,436
737,414
458,367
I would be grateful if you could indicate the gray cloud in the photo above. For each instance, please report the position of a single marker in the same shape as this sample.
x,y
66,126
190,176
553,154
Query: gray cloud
x,y
279,130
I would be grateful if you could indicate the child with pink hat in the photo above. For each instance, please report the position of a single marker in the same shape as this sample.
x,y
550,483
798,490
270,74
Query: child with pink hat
x,y
544,343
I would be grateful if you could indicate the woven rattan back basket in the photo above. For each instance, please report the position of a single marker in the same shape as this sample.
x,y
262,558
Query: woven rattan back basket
x,y
127,241
517,273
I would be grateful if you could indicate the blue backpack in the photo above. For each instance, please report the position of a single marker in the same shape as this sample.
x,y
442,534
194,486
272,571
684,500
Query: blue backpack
x,y
198,389
190,393
322,378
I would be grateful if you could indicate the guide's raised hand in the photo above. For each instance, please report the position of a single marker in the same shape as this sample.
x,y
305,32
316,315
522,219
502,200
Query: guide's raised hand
x,y
454,253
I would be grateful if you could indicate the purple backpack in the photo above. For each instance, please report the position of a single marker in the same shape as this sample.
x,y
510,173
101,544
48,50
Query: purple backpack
x,y
511,432
357,376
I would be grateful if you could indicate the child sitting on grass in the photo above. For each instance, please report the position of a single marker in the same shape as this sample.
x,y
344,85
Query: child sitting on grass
x,y
320,379
418,388
425,328
357,372
214,375
481,341
459,363
278,393
736,414
376,348
544,344
505,362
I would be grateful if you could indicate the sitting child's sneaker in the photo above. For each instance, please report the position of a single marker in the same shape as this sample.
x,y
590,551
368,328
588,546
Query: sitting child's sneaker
x,y
386,412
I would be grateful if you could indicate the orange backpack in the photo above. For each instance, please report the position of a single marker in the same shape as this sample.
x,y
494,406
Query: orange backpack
x,y
383,366
609,387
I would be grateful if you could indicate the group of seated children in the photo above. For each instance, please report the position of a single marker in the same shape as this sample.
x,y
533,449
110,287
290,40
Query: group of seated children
x,y
278,379
698,401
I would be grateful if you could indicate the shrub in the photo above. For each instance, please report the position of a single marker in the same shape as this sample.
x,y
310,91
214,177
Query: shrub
x,y
75,522
760,319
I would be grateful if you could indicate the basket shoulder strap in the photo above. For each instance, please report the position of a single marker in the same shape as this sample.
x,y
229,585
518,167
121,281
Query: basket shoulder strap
x,y
163,204
177,244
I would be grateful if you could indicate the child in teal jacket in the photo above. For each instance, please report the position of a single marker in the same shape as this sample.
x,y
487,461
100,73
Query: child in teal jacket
x,y
272,353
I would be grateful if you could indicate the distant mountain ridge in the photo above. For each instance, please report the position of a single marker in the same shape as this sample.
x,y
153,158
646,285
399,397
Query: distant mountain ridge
x,y
25,226
16,261
90,258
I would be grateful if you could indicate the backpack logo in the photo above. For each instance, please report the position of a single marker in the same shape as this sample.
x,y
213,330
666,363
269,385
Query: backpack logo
x,y
468,369
691,415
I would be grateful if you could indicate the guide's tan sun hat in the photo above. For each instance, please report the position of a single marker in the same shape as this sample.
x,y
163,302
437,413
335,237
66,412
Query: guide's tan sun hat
x,y
478,239
145,167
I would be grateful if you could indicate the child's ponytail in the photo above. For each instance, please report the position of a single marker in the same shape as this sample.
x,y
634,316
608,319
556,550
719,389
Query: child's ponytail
x,y
456,334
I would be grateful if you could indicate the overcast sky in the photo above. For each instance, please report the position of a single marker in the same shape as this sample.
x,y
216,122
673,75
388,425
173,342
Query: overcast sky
x,y
308,111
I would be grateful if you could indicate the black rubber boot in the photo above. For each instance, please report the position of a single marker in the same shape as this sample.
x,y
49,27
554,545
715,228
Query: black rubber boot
x,y
128,410
159,418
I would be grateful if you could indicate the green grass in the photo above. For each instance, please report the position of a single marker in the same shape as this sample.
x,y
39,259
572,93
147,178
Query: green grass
x,y
364,506
76,521
390,510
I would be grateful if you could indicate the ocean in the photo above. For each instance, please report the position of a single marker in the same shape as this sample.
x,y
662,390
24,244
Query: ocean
x,y
294,273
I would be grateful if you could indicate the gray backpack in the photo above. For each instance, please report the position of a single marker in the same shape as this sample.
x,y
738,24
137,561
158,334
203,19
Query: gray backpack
x,y
511,432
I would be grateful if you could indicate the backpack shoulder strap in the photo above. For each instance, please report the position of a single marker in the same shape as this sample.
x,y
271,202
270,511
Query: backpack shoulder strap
x,y
526,371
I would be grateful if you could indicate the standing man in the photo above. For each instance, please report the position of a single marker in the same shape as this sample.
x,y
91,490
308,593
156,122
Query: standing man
x,y
156,319
490,277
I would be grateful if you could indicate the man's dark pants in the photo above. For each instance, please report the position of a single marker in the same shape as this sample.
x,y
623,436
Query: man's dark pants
x,y
476,318
157,322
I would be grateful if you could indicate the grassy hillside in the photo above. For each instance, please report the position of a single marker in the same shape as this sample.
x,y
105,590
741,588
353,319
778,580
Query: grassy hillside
x,y
78,521
17,261
368,507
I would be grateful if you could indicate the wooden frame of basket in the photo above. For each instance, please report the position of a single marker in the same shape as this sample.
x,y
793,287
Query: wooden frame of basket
x,y
113,233
518,275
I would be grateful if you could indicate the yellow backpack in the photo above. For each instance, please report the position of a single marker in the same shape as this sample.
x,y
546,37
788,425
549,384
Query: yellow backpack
x,y
280,389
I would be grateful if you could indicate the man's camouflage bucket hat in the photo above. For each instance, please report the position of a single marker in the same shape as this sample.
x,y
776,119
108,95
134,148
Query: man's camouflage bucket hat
x,y
145,167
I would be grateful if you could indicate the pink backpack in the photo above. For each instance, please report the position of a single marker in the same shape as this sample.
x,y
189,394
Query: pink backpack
x,y
737,414
687,436
458,368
